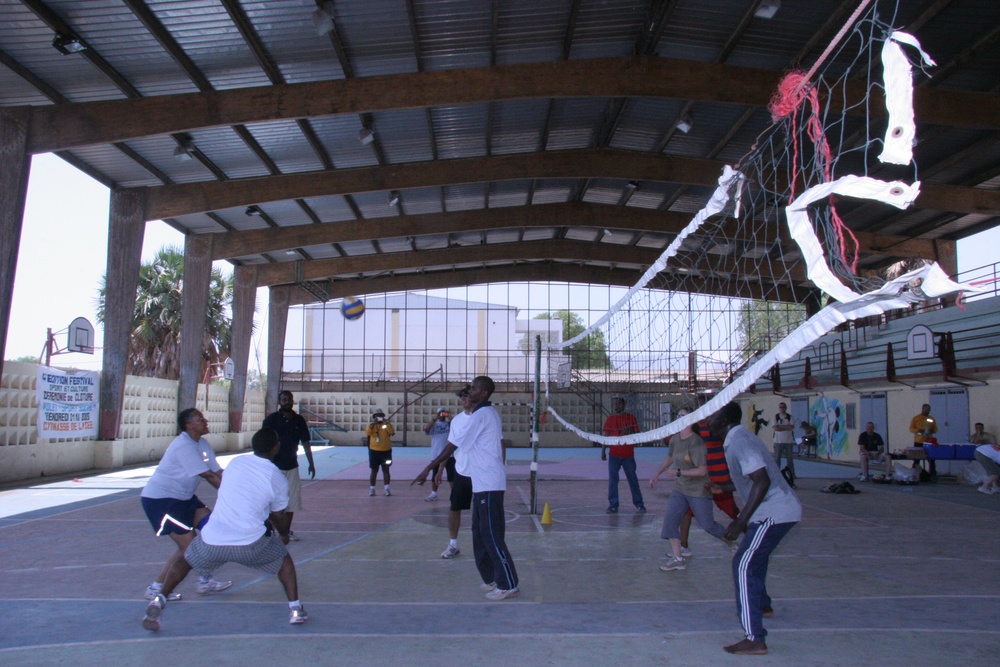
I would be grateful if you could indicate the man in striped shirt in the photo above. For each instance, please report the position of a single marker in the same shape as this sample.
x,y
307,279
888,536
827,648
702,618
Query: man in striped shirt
x,y
718,473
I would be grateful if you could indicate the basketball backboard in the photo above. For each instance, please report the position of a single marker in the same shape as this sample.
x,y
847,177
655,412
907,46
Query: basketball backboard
x,y
80,337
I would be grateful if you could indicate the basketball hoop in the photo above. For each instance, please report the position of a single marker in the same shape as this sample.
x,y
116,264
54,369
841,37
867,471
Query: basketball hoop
x,y
79,338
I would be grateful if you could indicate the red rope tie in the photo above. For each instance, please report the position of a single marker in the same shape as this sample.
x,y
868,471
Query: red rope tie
x,y
792,92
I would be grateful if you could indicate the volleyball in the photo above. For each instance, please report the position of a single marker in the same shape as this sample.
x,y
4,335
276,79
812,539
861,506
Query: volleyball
x,y
352,308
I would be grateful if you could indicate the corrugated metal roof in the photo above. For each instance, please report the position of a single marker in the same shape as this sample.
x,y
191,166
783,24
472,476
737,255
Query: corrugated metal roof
x,y
267,43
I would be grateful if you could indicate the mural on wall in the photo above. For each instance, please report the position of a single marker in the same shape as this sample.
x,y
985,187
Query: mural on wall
x,y
757,421
829,419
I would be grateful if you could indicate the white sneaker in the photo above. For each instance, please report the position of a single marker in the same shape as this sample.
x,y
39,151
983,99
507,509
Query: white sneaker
x,y
151,621
292,537
674,564
213,586
432,497
151,594
371,492
488,587
388,493
686,553
983,489
501,594
862,478
297,615
450,552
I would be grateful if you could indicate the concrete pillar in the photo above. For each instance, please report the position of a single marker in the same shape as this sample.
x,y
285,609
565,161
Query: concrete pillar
x,y
194,306
15,165
126,228
244,302
277,320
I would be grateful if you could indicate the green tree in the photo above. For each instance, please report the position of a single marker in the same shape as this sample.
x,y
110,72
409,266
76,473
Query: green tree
x,y
588,352
764,324
154,346
25,358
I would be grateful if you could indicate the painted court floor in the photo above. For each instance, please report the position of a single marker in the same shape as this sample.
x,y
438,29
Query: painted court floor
x,y
891,576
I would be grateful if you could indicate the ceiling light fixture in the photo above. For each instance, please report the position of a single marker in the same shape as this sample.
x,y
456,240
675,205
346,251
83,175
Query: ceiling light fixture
x,y
366,136
185,148
253,209
394,198
67,44
684,124
767,9
323,20
632,186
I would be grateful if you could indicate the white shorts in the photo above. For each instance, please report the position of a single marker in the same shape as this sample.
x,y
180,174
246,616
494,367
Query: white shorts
x,y
294,490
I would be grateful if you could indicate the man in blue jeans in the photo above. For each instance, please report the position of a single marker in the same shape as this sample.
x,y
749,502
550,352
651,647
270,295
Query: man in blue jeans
x,y
770,510
622,457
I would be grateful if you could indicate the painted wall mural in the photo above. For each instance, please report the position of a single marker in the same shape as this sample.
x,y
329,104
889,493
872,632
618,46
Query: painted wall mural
x,y
829,418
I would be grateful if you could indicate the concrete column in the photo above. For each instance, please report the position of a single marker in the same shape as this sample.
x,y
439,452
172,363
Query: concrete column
x,y
126,228
277,321
194,306
244,302
15,165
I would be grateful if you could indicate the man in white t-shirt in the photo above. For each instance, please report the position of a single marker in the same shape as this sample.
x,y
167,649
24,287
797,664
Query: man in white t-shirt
x,y
252,493
168,498
770,510
461,485
481,457
784,438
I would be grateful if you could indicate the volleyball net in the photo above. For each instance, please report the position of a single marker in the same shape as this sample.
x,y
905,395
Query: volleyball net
x,y
769,265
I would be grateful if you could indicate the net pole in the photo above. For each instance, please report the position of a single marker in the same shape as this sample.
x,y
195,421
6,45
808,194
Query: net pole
x,y
535,424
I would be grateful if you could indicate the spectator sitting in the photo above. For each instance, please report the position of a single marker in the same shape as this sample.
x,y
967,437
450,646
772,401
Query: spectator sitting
x,y
872,448
981,437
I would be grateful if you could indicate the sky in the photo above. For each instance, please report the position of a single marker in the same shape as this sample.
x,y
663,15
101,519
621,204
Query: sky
x,y
64,245
62,258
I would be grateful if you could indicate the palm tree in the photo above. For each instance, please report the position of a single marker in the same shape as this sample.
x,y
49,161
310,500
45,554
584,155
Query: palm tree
x,y
154,346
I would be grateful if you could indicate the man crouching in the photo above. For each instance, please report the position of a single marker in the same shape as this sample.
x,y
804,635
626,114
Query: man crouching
x,y
253,490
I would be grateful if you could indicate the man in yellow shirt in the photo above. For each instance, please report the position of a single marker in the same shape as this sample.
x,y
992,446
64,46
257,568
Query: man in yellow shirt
x,y
923,427
379,433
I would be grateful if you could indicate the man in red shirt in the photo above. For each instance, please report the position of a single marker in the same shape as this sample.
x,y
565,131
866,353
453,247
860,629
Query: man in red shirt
x,y
622,457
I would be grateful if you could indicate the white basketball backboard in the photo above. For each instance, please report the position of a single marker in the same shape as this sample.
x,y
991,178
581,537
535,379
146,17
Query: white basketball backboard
x,y
80,337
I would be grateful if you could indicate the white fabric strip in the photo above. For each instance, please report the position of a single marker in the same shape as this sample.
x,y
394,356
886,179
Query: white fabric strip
x,y
729,181
897,76
928,282
896,194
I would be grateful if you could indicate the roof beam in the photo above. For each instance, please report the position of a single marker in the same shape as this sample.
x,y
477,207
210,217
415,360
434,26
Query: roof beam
x,y
574,251
68,126
186,199
252,242
544,271
170,201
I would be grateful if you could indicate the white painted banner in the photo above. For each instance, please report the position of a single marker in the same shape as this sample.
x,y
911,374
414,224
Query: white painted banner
x,y
68,403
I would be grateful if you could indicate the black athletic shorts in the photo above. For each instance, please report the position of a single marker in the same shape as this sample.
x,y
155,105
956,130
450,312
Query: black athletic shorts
x,y
379,459
461,493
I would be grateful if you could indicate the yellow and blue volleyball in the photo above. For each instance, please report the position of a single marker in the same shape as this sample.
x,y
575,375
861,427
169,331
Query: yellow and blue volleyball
x,y
352,308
